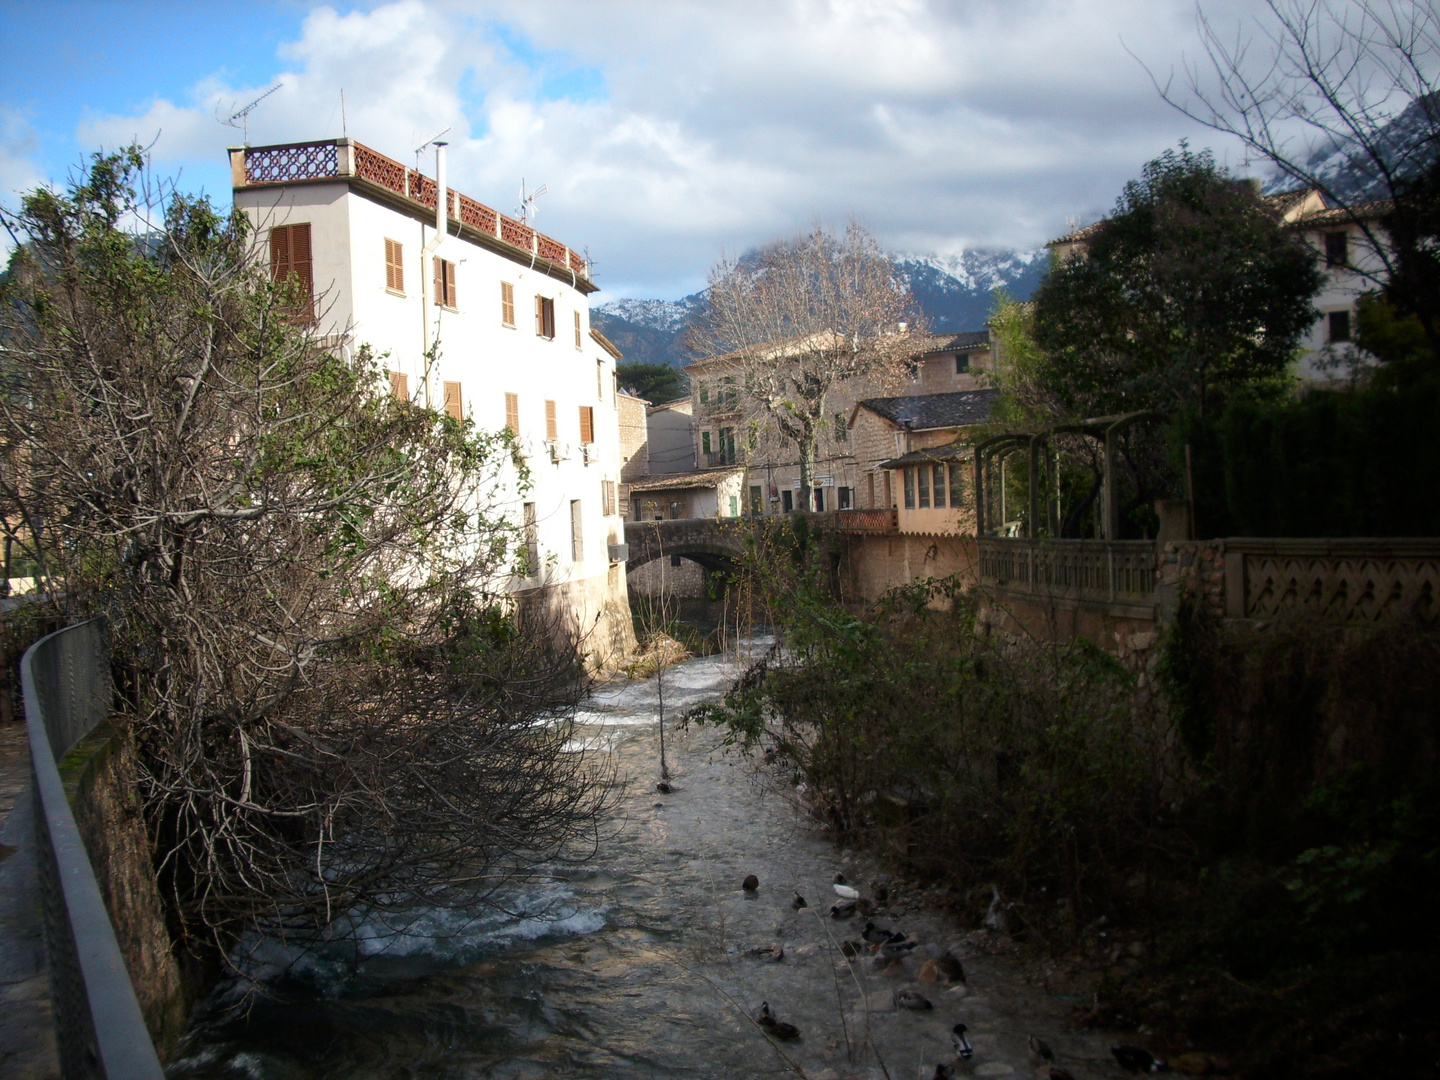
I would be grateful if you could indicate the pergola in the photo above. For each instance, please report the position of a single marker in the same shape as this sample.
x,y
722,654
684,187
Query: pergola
x,y
1106,429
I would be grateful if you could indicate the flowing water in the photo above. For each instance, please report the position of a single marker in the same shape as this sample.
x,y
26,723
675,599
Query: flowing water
x,y
635,964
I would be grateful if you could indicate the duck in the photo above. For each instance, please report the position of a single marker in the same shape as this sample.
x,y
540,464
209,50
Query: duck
x,y
1040,1053
947,966
773,953
911,999
876,935
839,878
843,910
664,787
894,950
778,1028
943,1071
797,902
751,883
865,907
845,892
963,1049
852,949
1134,1059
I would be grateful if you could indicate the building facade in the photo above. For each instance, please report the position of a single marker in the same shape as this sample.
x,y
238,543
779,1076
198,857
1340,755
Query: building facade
x,y
475,313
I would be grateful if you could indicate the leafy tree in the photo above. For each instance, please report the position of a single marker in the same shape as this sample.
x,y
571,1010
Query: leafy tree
x,y
331,702
656,383
1192,288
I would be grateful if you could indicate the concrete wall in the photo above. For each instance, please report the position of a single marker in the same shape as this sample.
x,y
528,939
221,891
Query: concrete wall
x,y
672,446
634,438
871,565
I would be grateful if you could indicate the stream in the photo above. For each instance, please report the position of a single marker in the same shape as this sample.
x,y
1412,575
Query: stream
x,y
635,965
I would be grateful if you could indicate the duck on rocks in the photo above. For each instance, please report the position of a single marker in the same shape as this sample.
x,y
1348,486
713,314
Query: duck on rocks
x,y
947,966
878,935
751,883
664,787
845,892
771,953
774,1026
852,949
911,999
1041,1056
843,910
894,950
797,902
963,1049
1134,1059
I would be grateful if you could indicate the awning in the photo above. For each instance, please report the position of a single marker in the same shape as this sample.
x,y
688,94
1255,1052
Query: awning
x,y
931,455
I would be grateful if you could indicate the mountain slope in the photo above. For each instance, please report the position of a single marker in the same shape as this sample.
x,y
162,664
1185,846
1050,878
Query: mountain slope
x,y
955,292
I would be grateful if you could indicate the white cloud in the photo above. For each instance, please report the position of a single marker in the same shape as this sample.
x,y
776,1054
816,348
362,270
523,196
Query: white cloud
x,y
19,171
942,125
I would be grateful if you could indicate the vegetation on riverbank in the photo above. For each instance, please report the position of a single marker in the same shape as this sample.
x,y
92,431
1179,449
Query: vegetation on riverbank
x,y
1234,849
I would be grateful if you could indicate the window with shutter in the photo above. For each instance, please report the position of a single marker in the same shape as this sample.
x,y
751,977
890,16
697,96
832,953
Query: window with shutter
x,y
550,432
587,424
445,283
453,403
599,380
607,497
545,317
290,261
532,540
578,343
577,539
400,385
512,413
394,266
507,303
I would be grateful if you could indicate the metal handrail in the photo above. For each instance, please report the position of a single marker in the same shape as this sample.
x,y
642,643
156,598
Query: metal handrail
x,y
99,1029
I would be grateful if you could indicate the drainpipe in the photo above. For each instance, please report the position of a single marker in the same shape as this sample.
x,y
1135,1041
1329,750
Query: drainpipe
x,y
427,269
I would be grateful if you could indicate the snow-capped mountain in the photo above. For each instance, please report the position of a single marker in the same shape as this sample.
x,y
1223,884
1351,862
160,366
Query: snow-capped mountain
x,y
956,292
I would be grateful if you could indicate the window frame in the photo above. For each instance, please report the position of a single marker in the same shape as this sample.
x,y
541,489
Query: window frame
x,y
445,295
1337,242
454,401
283,243
1342,316
394,267
544,317
507,304
512,413
587,425
552,424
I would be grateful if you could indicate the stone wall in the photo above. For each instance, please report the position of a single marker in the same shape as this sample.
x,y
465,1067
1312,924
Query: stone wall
x,y
873,564
661,576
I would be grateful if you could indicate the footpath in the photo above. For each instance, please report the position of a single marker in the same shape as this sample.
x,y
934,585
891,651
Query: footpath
x,y
27,1035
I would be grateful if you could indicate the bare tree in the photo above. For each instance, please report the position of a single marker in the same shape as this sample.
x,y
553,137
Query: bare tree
x,y
798,319
1340,96
334,706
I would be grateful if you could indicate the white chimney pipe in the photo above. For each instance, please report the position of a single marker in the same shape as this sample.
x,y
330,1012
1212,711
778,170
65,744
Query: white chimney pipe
x,y
426,270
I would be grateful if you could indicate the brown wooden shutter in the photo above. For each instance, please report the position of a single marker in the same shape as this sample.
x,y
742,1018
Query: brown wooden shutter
x,y
512,413
540,316
507,303
577,537
587,424
400,385
439,281
550,421
549,318
578,344
394,266
290,254
450,297
453,403
280,253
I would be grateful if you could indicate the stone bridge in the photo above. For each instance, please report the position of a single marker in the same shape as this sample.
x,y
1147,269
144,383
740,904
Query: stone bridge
x,y
715,544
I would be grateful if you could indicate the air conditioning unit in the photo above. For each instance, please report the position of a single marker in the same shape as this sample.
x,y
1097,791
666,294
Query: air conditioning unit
x,y
559,451
619,553
588,453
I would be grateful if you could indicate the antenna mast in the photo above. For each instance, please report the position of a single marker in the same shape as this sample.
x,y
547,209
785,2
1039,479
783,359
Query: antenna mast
x,y
526,210
243,115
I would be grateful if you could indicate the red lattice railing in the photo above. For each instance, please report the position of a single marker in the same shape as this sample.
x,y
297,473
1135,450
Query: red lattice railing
x,y
282,164
321,161
512,232
421,188
379,169
477,216
549,249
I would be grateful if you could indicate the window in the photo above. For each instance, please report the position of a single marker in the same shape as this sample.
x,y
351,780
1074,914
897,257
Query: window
x,y
727,445
924,476
290,258
705,442
840,432
577,538
400,385
962,364
587,423
957,489
787,501
550,428
843,498
734,505
545,317
909,489
445,283
728,391
599,380
939,475
394,267
607,497
1337,249
532,541
889,501
870,487
507,303
454,406
578,343
1339,327
704,393
757,503
819,499
512,413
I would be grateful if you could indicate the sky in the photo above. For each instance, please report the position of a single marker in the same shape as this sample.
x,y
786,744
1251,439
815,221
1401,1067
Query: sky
x,y
668,133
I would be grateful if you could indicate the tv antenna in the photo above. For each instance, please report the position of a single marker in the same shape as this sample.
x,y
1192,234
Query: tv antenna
x,y
434,140
526,210
243,115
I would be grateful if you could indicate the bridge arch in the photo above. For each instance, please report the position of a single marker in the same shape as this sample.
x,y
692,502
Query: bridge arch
x,y
714,544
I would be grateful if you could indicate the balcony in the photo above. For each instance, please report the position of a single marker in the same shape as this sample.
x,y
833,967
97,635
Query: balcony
x,y
867,521
719,459
345,159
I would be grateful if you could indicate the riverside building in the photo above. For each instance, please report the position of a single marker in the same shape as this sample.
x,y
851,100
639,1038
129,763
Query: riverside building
x,y
478,314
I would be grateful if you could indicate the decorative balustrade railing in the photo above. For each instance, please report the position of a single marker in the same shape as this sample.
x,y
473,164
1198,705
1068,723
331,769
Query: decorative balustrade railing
x,y
1362,581
1103,571
99,1030
333,159
867,521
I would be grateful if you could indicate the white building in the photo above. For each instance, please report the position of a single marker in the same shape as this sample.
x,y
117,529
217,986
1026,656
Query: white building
x,y
507,312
